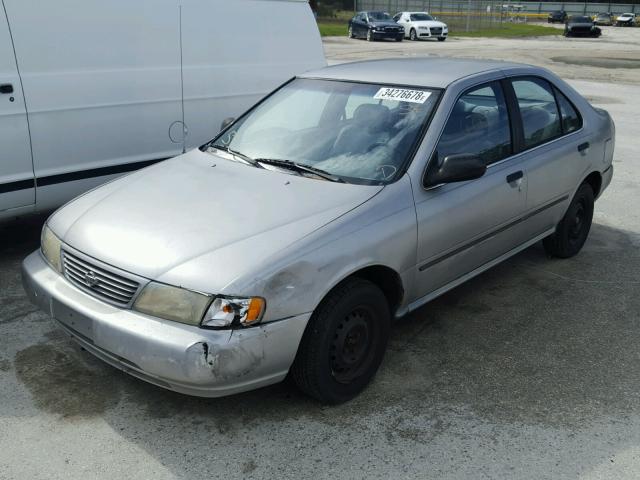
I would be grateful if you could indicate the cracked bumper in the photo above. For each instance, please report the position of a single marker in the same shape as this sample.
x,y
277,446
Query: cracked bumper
x,y
186,359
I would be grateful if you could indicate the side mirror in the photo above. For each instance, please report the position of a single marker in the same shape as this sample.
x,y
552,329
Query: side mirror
x,y
226,122
455,168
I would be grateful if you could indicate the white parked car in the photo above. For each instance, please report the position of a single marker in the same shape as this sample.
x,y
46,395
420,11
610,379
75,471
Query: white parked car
x,y
626,20
418,25
92,89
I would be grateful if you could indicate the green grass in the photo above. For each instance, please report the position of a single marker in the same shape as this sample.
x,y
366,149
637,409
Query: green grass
x,y
509,30
332,28
338,28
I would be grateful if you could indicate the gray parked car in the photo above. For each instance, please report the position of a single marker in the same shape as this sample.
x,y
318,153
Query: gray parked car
x,y
349,196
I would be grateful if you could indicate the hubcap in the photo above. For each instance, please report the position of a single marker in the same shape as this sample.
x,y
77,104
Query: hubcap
x,y
351,345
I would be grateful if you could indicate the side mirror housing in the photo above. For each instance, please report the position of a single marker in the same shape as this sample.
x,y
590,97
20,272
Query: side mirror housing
x,y
226,122
455,168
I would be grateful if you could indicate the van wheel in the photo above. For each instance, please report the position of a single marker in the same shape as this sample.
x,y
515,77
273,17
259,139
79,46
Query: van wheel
x,y
344,342
412,35
573,230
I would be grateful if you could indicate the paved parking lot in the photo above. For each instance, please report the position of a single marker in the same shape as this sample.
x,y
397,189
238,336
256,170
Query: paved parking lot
x,y
531,370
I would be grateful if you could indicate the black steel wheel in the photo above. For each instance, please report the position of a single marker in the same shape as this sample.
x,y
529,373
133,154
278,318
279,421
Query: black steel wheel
x,y
573,230
344,342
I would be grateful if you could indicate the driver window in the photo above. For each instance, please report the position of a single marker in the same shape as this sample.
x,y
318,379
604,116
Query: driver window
x,y
479,125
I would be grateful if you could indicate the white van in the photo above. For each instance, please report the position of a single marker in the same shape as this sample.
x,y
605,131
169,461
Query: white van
x,y
90,89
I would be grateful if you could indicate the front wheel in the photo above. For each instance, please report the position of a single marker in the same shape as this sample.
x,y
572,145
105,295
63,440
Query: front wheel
x,y
412,35
369,36
442,39
344,342
573,229
350,34
399,39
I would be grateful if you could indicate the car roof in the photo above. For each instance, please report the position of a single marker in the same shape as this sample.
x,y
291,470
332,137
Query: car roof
x,y
423,72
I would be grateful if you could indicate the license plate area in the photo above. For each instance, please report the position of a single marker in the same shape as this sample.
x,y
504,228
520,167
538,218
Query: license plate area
x,y
72,319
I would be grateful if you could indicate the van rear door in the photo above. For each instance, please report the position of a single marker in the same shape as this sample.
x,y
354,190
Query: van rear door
x,y
17,187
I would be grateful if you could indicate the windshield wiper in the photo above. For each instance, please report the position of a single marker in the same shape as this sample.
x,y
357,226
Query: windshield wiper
x,y
301,167
241,156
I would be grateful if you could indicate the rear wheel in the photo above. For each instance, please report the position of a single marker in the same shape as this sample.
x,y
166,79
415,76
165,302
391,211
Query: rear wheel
x,y
573,230
344,342
412,35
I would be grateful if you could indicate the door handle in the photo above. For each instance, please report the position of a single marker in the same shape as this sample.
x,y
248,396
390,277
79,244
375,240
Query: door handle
x,y
6,88
583,146
512,177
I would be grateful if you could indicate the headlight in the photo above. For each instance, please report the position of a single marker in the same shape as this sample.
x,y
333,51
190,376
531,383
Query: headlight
x,y
227,312
423,28
50,246
172,303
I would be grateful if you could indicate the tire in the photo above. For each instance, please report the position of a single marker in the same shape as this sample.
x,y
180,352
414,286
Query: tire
x,y
350,33
442,39
412,35
573,229
399,39
344,342
370,36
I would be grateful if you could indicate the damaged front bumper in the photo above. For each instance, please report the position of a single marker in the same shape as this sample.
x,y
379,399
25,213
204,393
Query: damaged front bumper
x,y
183,358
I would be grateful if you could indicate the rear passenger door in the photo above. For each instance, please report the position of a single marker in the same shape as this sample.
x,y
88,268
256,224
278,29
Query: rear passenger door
x,y
102,81
465,225
553,150
17,186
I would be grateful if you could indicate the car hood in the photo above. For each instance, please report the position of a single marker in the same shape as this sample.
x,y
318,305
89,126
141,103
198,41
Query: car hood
x,y
156,219
429,23
384,24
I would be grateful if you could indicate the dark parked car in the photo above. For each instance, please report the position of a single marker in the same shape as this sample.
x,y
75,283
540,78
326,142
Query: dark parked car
x,y
559,16
603,19
580,25
375,26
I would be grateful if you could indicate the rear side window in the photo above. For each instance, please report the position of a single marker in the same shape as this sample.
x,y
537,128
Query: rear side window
x,y
538,109
479,125
571,120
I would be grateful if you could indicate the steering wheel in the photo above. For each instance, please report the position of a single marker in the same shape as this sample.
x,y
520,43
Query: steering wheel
x,y
373,146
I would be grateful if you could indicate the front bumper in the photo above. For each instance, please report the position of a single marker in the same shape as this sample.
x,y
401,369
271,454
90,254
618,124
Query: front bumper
x,y
183,358
391,35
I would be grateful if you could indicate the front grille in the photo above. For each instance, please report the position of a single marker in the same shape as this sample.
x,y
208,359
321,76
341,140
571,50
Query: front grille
x,y
98,281
436,31
391,29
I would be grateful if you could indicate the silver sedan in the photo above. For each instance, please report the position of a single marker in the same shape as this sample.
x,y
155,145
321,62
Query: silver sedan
x,y
349,196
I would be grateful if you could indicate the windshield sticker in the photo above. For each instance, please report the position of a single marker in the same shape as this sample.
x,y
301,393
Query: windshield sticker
x,y
402,95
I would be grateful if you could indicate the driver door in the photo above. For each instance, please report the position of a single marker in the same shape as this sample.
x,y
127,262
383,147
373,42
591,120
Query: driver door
x,y
464,225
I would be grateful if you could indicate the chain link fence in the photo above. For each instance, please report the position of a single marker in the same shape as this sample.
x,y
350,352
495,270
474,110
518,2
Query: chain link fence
x,y
465,15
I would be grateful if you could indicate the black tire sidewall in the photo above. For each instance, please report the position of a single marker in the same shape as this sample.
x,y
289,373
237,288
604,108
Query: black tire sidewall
x,y
559,244
323,326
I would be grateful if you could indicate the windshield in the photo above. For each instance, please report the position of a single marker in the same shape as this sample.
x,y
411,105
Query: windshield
x,y
580,20
419,17
379,16
359,132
